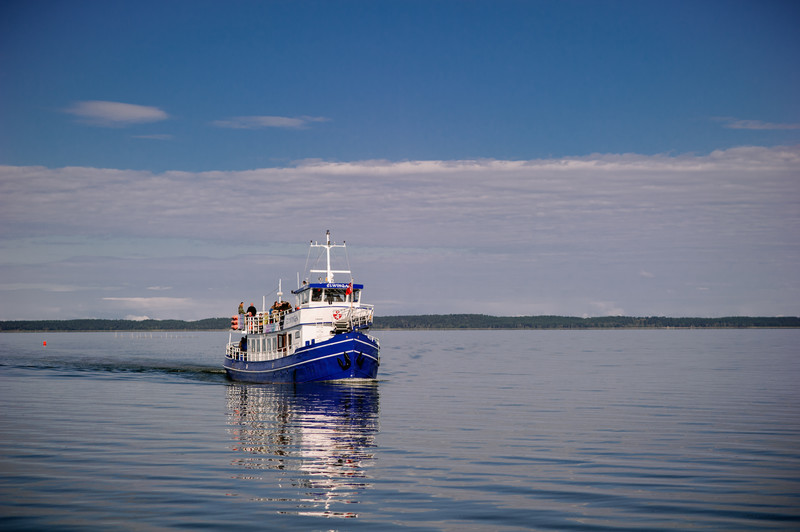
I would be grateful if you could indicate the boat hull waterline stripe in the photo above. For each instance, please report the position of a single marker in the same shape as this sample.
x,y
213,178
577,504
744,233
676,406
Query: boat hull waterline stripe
x,y
290,366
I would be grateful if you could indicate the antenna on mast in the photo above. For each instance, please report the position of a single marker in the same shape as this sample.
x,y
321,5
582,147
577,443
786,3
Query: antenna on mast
x,y
328,245
329,276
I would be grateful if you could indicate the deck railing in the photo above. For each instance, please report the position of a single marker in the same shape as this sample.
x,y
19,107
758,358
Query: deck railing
x,y
234,352
354,318
260,322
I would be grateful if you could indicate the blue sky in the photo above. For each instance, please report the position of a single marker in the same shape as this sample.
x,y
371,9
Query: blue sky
x,y
580,158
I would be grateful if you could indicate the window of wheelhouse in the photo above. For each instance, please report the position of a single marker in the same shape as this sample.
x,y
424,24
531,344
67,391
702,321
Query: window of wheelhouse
x,y
304,296
356,295
316,294
335,295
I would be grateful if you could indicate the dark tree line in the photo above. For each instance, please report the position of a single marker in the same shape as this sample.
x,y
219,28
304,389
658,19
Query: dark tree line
x,y
481,321
434,321
114,325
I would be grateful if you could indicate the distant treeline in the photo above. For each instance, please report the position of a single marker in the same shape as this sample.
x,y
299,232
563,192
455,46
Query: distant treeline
x,y
433,321
482,321
114,325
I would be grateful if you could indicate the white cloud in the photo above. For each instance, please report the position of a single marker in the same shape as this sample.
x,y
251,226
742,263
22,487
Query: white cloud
x,y
115,114
163,307
732,193
133,317
586,200
158,136
259,122
149,302
594,234
605,308
735,123
43,287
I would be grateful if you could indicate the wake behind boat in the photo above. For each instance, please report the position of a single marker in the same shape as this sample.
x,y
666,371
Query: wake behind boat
x,y
322,337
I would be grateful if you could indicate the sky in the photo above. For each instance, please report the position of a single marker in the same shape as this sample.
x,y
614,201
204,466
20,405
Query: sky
x,y
168,160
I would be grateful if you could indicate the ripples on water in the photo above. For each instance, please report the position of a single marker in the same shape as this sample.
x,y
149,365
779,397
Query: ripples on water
x,y
320,438
466,430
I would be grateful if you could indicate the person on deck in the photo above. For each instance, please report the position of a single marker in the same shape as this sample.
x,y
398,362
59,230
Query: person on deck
x,y
251,310
241,316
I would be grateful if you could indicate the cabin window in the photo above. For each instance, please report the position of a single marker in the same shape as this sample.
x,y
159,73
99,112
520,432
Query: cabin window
x,y
316,294
356,296
304,297
335,295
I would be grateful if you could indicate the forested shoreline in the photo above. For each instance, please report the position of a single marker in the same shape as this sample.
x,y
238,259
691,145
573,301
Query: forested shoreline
x,y
431,321
482,321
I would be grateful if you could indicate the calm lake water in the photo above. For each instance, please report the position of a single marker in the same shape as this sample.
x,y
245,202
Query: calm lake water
x,y
465,430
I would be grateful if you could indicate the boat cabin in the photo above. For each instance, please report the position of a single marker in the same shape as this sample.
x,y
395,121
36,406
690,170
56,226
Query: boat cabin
x,y
320,294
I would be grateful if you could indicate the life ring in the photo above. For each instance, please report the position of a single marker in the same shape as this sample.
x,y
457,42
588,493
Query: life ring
x,y
337,314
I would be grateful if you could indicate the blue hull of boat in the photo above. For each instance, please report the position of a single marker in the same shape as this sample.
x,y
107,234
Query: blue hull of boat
x,y
352,355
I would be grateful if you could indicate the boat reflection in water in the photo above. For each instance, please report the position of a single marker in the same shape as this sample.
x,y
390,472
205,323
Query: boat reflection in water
x,y
319,437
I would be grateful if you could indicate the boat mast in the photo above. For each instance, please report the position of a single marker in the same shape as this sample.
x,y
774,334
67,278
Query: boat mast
x,y
329,276
327,245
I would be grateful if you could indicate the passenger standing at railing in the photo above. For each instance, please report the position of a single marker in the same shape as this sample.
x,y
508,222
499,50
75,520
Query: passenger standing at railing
x,y
241,316
252,310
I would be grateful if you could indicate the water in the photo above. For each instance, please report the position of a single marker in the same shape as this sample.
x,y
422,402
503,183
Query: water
x,y
465,430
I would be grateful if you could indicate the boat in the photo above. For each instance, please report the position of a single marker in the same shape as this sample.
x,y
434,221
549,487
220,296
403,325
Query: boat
x,y
323,336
